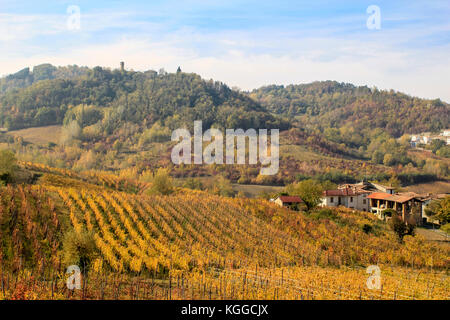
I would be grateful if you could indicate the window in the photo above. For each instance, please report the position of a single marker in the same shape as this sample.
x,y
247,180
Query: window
x,y
331,199
364,201
351,199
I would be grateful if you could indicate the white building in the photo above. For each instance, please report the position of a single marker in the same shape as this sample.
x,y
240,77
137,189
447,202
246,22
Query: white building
x,y
353,196
350,198
420,139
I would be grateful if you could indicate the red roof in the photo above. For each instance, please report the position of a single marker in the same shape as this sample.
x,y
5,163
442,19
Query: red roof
x,y
379,195
290,199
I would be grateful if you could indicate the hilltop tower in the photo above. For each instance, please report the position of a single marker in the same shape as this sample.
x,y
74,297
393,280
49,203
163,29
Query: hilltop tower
x,y
122,66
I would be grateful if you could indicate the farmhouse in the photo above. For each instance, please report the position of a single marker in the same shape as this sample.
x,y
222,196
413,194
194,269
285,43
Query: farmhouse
x,y
408,205
293,202
353,196
427,137
347,197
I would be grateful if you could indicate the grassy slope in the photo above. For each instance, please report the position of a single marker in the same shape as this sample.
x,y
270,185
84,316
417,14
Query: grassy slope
x,y
431,187
40,135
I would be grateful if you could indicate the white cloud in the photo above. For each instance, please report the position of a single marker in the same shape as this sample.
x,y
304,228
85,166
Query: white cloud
x,y
243,58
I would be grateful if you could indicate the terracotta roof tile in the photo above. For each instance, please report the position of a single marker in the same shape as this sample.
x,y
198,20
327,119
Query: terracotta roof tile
x,y
290,199
400,198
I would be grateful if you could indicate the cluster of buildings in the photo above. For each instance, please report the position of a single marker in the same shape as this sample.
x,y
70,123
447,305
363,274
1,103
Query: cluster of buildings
x,y
426,138
374,198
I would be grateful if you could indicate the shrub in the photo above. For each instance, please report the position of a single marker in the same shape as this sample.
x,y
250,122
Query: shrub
x,y
79,249
367,228
446,228
162,183
400,228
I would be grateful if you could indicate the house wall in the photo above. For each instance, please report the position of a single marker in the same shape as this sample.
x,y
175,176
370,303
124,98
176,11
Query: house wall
x,y
279,202
326,201
357,203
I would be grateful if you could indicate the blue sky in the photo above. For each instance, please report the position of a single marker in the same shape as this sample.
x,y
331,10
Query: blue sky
x,y
243,43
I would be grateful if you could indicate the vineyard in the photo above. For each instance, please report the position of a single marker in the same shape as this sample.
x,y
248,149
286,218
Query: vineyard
x,y
193,245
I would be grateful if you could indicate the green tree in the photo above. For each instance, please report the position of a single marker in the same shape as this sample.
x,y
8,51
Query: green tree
x,y
444,152
436,144
162,183
400,227
388,159
377,157
440,209
310,191
8,165
397,225
193,183
222,187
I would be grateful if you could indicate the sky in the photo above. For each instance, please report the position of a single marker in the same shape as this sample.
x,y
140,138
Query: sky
x,y
246,44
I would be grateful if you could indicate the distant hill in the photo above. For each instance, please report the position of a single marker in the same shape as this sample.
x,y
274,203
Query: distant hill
x,y
114,119
330,104
44,96
25,78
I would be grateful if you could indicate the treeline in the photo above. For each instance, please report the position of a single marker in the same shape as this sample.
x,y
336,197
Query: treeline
x,y
353,111
138,97
337,176
25,78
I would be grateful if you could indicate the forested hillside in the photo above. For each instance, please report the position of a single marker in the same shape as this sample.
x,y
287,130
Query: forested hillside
x,y
116,97
330,104
25,77
115,120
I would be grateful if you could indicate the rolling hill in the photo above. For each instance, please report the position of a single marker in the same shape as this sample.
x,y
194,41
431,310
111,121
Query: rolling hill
x,y
116,120
330,104
126,96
